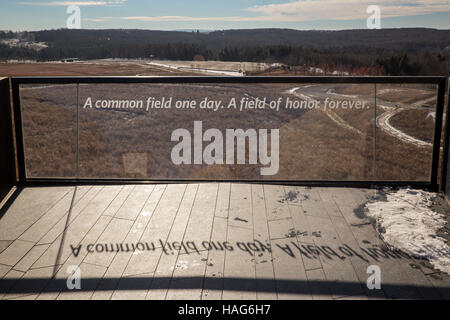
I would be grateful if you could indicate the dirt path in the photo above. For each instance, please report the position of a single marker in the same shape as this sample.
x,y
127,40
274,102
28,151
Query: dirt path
x,y
385,125
201,70
382,121
331,114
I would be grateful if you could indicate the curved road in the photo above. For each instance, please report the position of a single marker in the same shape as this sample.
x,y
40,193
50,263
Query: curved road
x,y
321,92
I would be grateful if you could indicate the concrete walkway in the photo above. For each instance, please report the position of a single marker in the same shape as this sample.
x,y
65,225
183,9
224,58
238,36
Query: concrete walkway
x,y
201,241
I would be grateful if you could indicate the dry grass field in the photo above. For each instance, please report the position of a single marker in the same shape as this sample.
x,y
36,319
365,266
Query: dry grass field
x,y
100,68
314,144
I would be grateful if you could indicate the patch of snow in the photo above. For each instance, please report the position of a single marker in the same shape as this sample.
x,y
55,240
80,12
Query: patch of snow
x,y
340,73
204,70
332,92
316,70
432,115
406,222
294,92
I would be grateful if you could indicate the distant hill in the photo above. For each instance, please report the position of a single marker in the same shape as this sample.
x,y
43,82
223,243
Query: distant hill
x,y
383,38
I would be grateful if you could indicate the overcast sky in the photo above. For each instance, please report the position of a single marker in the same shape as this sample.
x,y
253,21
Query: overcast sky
x,y
223,14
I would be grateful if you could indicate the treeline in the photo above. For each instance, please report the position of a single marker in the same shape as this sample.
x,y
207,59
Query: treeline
x,y
180,51
357,61
390,52
7,35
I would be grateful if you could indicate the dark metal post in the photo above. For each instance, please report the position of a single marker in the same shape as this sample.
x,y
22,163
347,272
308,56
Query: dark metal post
x,y
19,131
78,122
375,134
445,159
438,132
8,159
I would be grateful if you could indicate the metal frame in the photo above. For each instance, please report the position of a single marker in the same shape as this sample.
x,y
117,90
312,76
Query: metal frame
x,y
445,158
8,158
433,184
18,131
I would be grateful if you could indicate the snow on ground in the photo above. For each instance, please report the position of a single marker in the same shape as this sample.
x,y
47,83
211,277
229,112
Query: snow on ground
x,y
203,70
406,222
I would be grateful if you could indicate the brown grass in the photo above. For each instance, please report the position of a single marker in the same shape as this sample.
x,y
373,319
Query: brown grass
x,y
84,69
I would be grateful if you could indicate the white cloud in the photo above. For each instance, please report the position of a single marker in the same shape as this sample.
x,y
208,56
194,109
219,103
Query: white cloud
x,y
99,19
76,3
311,10
308,10
181,18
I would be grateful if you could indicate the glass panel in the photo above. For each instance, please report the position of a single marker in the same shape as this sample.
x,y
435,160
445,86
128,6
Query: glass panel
x,y
49,130
405,131
323,131
181,131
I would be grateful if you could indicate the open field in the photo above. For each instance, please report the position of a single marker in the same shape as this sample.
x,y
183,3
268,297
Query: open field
x,y
95,68
315,144
213,67
117,67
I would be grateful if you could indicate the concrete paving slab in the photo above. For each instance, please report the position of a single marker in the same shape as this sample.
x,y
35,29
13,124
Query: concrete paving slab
x,y
31,257
41,227
223,200
102,252
239,263
133,205
276,204
60,226
213,285
16,251
29,207
290,274
4,244
118,201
